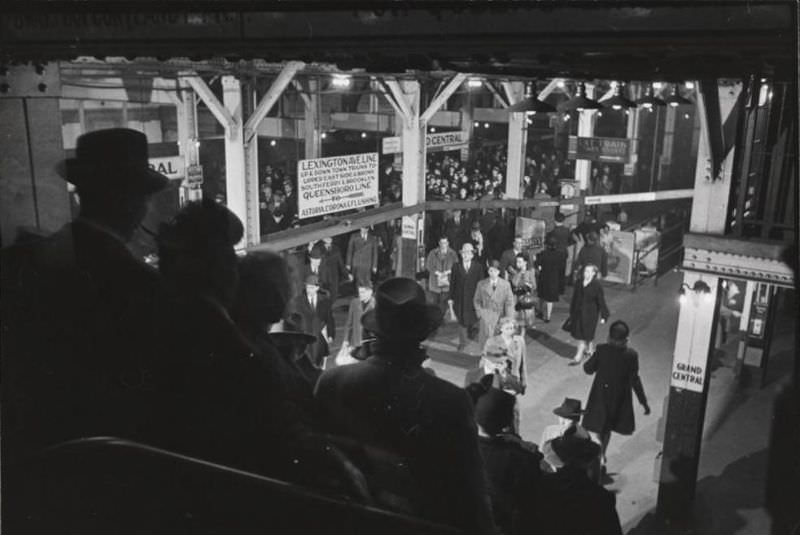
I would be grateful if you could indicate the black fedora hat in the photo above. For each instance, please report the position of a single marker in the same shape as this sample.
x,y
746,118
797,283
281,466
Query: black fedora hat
x,y
570,449
401,312
288,328
115,158
570,408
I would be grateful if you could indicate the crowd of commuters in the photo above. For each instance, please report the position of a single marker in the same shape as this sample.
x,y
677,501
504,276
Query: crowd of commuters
x,y
222,358
483,174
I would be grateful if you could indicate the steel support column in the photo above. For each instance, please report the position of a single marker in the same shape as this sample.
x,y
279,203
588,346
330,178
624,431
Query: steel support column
x,y
586,121
311,112
693,340
236,171
407,98
517,141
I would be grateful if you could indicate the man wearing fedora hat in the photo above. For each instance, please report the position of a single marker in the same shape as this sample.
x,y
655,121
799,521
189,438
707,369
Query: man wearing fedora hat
x,y
314,312
389,402
78,306
569,413
569,501
493,300
464,278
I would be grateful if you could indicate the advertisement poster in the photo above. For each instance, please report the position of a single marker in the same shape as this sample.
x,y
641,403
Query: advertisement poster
x,y
647,241
532,232
336,184
620,246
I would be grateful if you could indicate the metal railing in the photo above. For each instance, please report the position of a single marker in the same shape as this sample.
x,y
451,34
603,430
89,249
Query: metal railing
x,y
110,485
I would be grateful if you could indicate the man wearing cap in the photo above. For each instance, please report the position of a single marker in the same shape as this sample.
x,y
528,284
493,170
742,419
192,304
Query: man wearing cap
x,y
390,403
313,308
78,306
464,279
493,300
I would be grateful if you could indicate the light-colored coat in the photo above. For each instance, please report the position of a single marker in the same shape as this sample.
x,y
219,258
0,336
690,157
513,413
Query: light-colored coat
x,y
491,305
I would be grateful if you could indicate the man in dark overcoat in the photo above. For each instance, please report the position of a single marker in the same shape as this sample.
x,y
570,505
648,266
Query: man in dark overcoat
x,y
78,307
456,229
464,279
332,269
390,403
362,256
610,404
569,501
314,308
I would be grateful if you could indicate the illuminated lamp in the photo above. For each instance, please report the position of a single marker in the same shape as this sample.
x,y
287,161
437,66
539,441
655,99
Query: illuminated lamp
x,y
618,101
675,99
531,104
579,102
649,101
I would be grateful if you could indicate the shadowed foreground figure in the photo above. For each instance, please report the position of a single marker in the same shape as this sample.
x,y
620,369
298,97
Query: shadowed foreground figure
x,y
392,404
77,316
77,308
568,501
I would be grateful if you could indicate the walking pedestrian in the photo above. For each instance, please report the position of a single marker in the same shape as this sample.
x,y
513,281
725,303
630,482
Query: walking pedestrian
x,y
464,280
610,404
493,300
587,306
552,279
523,283
439,265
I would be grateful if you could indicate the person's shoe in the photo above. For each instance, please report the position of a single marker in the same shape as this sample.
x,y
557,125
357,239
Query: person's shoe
x,y
574,362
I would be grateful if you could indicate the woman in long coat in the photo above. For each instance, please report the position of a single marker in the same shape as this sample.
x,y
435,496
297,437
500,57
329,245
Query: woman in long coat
x,y
610,404
587,306
552,280
523,283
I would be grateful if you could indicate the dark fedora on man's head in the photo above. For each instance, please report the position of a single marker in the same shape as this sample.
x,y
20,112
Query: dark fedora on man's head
x,y
401,312
571,450
570,408
289,329
116,158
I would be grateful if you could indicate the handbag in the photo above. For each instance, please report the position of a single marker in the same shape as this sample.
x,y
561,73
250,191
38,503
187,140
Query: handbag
x,y
567,325
526,302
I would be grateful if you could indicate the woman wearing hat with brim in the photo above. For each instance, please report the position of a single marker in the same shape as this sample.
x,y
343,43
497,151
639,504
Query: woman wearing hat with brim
x,y
389,402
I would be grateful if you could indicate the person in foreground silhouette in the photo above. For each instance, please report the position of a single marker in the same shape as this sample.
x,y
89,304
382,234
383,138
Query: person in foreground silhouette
x,y
391,403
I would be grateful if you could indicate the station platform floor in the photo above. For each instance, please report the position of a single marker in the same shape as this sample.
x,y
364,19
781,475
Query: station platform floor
x,y
732,469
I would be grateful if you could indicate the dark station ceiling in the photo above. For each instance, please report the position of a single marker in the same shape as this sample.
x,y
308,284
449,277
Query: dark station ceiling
x,y
643,40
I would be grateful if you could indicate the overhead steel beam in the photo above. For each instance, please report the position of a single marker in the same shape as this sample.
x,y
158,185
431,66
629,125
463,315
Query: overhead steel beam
x,y
271,97
210,100
400,98
443,95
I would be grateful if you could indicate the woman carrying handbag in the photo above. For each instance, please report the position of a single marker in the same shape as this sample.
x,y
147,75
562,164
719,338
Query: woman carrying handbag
x,y
587,306
523,283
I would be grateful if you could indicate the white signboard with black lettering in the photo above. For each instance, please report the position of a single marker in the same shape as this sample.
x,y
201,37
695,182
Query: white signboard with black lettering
x,y
433,142
336,184
170,166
